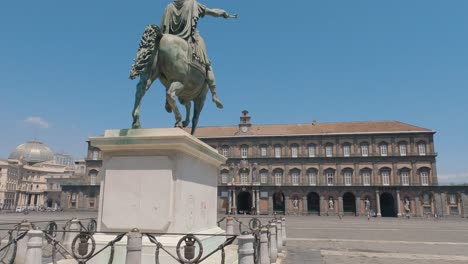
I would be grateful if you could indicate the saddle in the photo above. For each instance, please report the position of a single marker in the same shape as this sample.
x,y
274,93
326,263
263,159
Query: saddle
x,y
197,58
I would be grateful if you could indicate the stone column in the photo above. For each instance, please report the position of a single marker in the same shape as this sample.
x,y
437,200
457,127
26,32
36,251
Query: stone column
x,y
254,202
264,252
322,208
377,195
234,201
34,251
229,225
398,203
358,205
279,235
304,206
69,236
257,205
464,205
283,229
340,206
273,243
245,248
286,205
229,201
22,245
134,245
270,203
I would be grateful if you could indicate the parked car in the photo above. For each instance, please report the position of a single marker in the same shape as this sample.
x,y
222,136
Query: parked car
x,y
19,209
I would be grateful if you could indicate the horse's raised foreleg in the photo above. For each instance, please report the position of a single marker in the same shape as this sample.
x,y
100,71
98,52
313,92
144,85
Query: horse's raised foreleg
x,y
171,95
198,104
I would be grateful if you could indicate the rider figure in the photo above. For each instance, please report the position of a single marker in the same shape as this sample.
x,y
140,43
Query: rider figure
x,y
180,19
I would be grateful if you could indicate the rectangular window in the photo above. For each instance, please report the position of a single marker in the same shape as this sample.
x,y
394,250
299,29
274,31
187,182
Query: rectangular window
x,y
424,178
91,203
405,178
347,178
277,152
225,151
329,151
244,151
452,198
366,178
311,151
346,150
278,178
329,178
263,151
385,177
224,177
422,149
295,178
294,152
312,178
263,177
244,177
402,149
365,150
383,150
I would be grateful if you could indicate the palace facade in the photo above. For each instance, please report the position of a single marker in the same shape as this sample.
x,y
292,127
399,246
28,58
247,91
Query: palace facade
x,y
384,168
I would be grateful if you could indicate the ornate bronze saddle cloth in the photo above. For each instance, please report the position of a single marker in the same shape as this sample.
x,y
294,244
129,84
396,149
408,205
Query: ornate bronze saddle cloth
x,y
197,58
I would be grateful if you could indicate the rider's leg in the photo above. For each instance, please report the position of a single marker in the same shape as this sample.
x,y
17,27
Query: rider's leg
x,y
212,85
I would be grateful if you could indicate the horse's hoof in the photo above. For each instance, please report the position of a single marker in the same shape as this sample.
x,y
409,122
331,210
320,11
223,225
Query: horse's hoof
x,y
178,124
185,123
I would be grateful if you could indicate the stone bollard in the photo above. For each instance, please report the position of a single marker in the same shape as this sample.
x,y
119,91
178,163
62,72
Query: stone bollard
x,y
74,230
134,245
279,235
283,228
22,245
34,251
229,225
246,248
264,251
273,243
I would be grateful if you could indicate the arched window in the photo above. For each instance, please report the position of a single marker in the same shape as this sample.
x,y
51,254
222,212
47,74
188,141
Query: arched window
x,y
294,150
295,177
365,149
244,151
95,154
385,173
93,177
263,176
312,174
452,198
277,151
348,174
330,175
383,149
424,173
278,177
346,150
311,150
329,150
366,175
422,149
404,177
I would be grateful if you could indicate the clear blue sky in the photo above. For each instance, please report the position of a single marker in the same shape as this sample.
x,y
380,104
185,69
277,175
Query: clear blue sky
x,y
64,67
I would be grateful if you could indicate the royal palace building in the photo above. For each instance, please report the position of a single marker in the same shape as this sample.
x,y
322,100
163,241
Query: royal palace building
x,y
383,168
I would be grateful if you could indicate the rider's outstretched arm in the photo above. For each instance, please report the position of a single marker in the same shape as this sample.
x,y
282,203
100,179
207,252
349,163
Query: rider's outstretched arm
x,y
215,12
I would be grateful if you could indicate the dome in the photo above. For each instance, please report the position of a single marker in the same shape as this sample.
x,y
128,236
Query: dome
x,y
32,151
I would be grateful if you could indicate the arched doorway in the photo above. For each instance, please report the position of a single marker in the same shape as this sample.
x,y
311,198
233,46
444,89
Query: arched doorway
x,y
387,205
313,203
49,203
278,202
244,201
349,204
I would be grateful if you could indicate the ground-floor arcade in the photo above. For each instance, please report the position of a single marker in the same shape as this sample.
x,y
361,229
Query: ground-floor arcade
x,y
345,200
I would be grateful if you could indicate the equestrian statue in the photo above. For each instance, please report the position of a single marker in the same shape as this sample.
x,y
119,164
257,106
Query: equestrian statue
x,y
175,53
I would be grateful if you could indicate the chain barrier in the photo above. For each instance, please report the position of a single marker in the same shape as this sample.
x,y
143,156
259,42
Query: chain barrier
x,y
219,221
14,242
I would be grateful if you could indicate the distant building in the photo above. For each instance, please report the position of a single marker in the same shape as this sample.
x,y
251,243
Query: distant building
x,y
7,187
387,167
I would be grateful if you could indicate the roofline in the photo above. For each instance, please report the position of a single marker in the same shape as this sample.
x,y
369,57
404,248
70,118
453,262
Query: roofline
x,y
324,134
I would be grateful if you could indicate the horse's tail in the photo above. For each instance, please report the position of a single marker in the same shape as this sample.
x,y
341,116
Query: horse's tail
x,y
147,50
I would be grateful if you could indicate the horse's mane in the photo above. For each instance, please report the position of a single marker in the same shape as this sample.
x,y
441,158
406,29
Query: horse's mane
x,y
148,43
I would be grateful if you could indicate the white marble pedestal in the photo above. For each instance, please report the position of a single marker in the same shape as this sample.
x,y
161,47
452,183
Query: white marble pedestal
x,y
159,181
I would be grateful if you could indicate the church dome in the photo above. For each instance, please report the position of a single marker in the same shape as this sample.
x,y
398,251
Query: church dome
x,y
32,151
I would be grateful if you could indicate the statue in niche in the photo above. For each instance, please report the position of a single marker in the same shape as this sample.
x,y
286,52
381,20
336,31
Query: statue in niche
x,y
331,203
